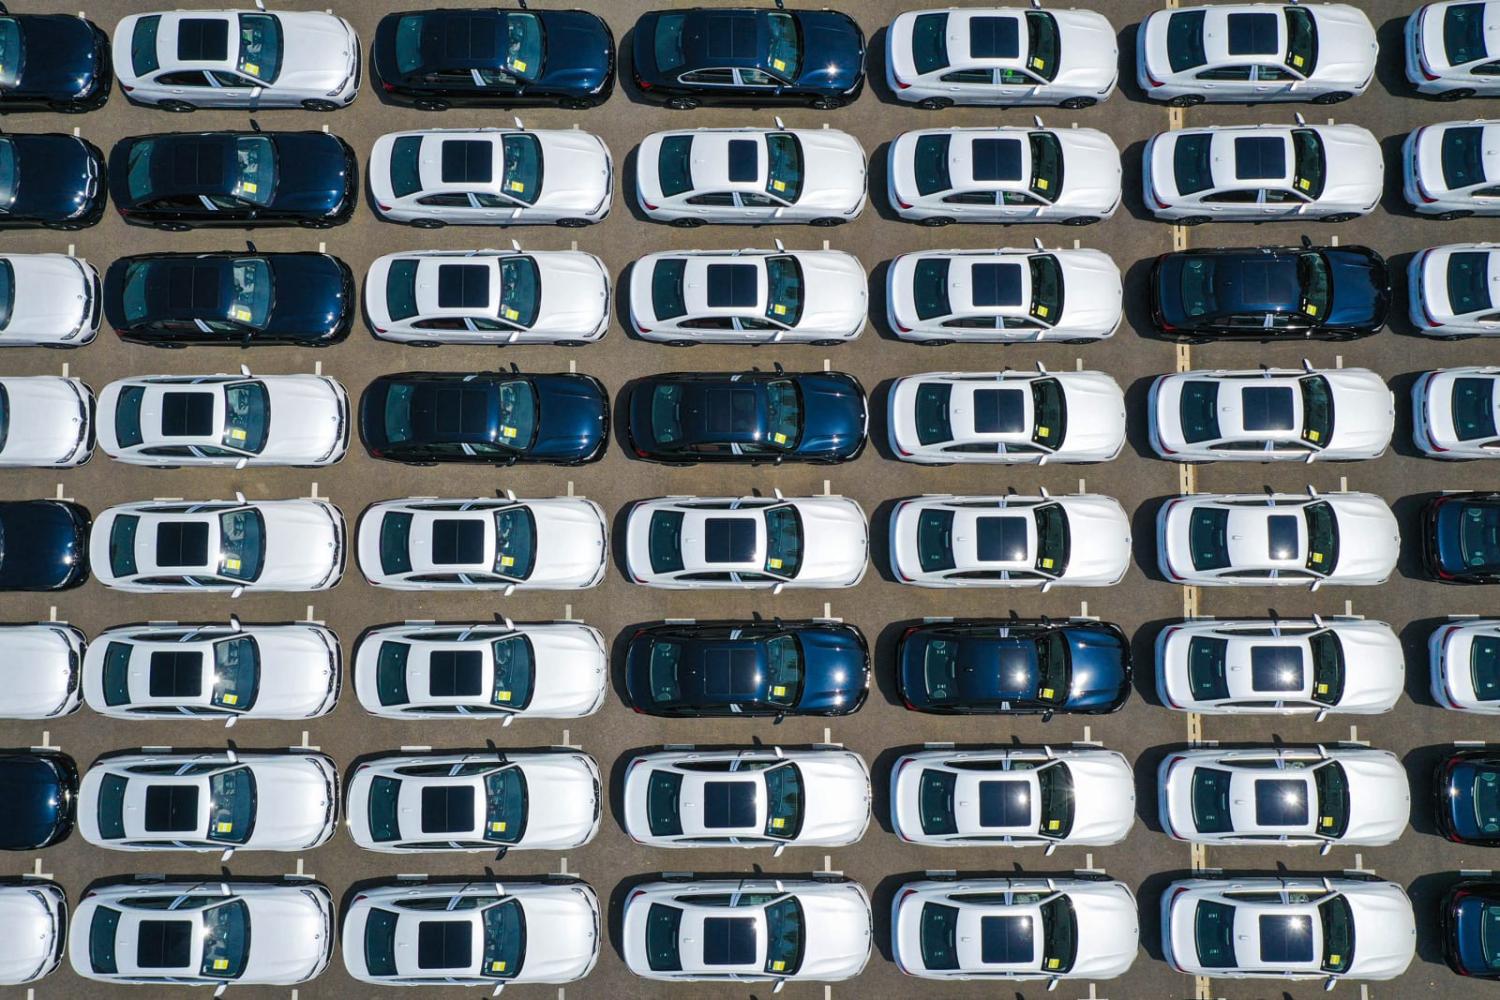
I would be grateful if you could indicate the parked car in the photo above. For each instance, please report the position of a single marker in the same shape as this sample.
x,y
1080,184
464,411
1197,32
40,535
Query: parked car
x,y
1466,797
44,544
1461,537
39,675
1453,413
1449,54
1466,909
53,62
40,788
48,300
34,920
51,181
1447,170
46,421
1464,658
1451,290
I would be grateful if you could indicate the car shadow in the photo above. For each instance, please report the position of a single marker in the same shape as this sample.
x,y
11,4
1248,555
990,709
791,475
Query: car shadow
x,y
1426,893
1132,169
877,81
1401,441
879,431
1137,401
1398,318
1137,282
1148,897
1143,659
1419,763
618,543
1128,87
1414,636
880,538
628,174
625,71
1145,768
1392,200
878,312
1408,512
883,660
1143,537
1390,72
877,177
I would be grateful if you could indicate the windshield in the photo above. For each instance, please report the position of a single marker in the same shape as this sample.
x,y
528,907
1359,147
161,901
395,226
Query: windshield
x,y
783,541
1317,410
1213,935
935,540
255,169
504,940
401,289
1049,413
250,280
1059,934
522,179
241,544
666,413
785,937
409,42
930,164
1484,667
1046,165
940,670
395,553
7,291
783,415
121,545
783,671
783,802
518,414
1338,934
1052,662
236,674
7,172
1322,538
783,290
1309,172
665,543
932,419
231,806
1317,286
1208,538
514,672
663,815
1479,537
1046,289
783,166
1042,37
226,940
1301,41
1333,799
247,412
515,542
1463,33
520,291
1052,541
504,806
1192,165
11,51
1328,667
523,44
1185,40
785,53
1055,784
667,301
1210,800
260,46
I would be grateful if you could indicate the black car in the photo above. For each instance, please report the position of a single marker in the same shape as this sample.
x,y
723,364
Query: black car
x,y
1468,916
435,59
685,58
495,418
52,62
230,299
40,792
1014,666
179,180
1466,797
749,417
43,545
51,180
1271,293
747,668
1461,537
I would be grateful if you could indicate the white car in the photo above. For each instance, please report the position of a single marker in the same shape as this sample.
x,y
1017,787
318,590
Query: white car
x,y
184,59
1013,797
1257,173
1081,540
1271,415
1464,657
1284,796
748,296
488,297
1255,52
46,421
1004,174
747,542
749,930
1250,666
166,670
491,177
212,546
33,922
498,670
751,175
1454,413
1004,296
48,300
1454,290
39,670
1001,55
226,801
755,797
1008,417
1277,539
1015,929
1450,54
1330,928
517,800
1452,170
446,933
222,420
487,543
209,933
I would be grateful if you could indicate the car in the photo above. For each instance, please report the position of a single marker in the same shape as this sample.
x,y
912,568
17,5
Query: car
x,y
1452,290
1004,296
1001,55
1256,173
273,932
1008,173
1466,908
943,540
491,177
518,800
48,299
1466,797
43,545
501,670
186,59
755,929
53,62
34,920
748,296
1277,539
230,421
1012,797
689,57
751,176
1461,537
41,675
747,542
232,671
1449,54
1010,417
1463,655
487,543
248,299
46,421
488,418
684,418
1271,415
224,801
436,932
1447,172
1270,294
181,180
430,297
1453,413
1288,927
1254,52
1273,666
50,180
41,796
747,669
1014,929
438,59
213,546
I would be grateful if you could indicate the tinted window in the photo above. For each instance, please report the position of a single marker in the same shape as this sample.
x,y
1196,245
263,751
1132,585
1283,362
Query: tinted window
x,y
380,942
1338,933
1317,410
1198,411
674,171
784,290
1059,935
783,166
1042,36
929,42
935,802
395,554
1046,289
231,806
111,814
784,798
226,940
236,674
1046,165
515,542
785,937
122,545
406,165
385,823
1185,40
1463,157
939,936
390,673
783,541
1322,538
102,940
1469,282
1191,167
662,813
1213,935
1310,170
1207,674
930,287
666,541
7,292
241,544
1208,538
931,416
1301,41
401,289
668,40
1210,798
661,938
505,806
523,166
935,540
1484,667
930,164
1052,539
143,45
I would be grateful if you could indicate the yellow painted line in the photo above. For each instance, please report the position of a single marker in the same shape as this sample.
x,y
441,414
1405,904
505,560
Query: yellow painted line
x,y
1195,727
1202,988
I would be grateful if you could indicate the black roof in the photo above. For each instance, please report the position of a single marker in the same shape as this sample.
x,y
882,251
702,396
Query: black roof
x,y
744,160
1275,668
1252,34
201,39
463,410
188,413
730,36
469,37
197,162
163,944
455,673
176,673
463,286
728,941
731,671
729,539
1281,536
997,159
1285,938
1266,407
1257,157
995,37
1280,802
182,543
999,411
1004,803
455,541
194,288
730,411
732,285
468,161
728,804
1006,940
447,809
1001,538
171,808
445,944
995,284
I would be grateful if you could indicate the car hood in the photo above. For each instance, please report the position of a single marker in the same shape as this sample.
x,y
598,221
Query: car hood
x,y
571,543
56,175
835,44
51,294
296,814
570,674
1346,44
315,173
33,427
835,294
62,57
300,943
1100,668
1369,537
43,685
288,682
1090,56
317,408
835,671
1093,297
1361,289
839,935
1380,676
1364,411
34,801
570,941
580,54
574,419
1380,803
835,541
1102,920
301,543
835,155
1106,785
575,293
44,544
562,804
1101,538
319,51
1385,936
833,414
1356,168
577,170
313,293
30,937
1096,413
1091,169
841,807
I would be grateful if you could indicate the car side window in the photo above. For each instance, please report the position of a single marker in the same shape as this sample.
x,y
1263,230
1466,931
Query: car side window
x,y
970,198
1225,73
756,323
1233,197
1487,69
707,577
451,200
225,79
1016,78
708,77
709,323
971,323
183,78
1275,74
493,201
1492,191
1283,196
712,198
754,199
437,578
757,78
968,76
978,574
170,451
441,323
1018,198
974,448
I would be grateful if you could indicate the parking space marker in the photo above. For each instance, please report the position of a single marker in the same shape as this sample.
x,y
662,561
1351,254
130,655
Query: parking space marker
x,y
72,250
1338,361
567,612
827,862
1195,727
306,745
1349,609
1354,736
568,740
414,748
1093,993
36,870
47,743
317,367
66,368
301,871
572,244
1343,484
1083,609
570,487
827,734
77,131
1077,243
322,246
825,244
60,493
1335,239
1202,988
573,365
827,365
1364,991
827,609
1081,487
562,868
827,992
827,488
52,613
1198,857
313,493
1078,364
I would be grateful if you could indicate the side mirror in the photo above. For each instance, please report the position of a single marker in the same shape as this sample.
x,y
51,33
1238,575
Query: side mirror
x,y
1315,585
1322,714
1327,846
241,464
236,592
510,589
1047,586
778,852
1051,848
778,589
780,982
234,623
229,722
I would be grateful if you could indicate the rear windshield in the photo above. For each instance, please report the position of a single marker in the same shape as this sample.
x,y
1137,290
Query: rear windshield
x,y
1474,408
1185,40
1208,677
935,802
406,165
669,53
409,42
385,823
1463,33
674,165
1210,798
662,923
1198,410
102,940
1213,935
1208,538
380,942
666,541
939,936
933,424
1469,282
1463,157
523,168
929,42
1191,166
930,163
930,287
401,289
7,292
11,51
935,540
143,45
667,301
390,673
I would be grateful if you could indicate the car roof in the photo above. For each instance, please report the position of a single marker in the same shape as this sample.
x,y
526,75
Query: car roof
x,y
999,161
194,39
459,286
727,160
1243,34
725,285
993,538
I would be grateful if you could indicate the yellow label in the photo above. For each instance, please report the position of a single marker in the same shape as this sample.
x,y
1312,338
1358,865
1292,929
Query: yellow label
x,y
778,185
778,64
1322,688
507,430
775,563
779,691
507,561
1047,562
1044,432
231,563
240,313
778,965
777,823
1334,959
1317,557
497,965
1053,963
520,65
779,309
502,696
220,964
780,438
1313,435
1043,310
1298,61
1043,183
1312,310
1053,824
223,826
252,68
1038,63
1327,820
249,187
1048,692
231,699
516,186
1304,184
237,434
497,826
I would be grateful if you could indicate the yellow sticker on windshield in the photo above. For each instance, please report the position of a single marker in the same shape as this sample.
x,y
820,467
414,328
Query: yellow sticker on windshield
x,y
220,964
1298,61
1048,693
1047,562
1042,311
775,563
778,185
1304,184
240,313
1053,963
1038,63
1327,820
237,434
516,186
497,826
231,563
779,690
1322,688
507,561
778,64
1334,959
520,65
502,696
1312,309
1317,557
510,313
777,823
223,826
497,965
507,430
779,309
778,965
231,699
779,437
249,187
252,68
1313,435
1043,432
1053,824
1043,183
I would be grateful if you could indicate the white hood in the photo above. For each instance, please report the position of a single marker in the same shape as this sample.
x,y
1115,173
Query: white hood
x,y
562,802
577,170
46,418
318,51
51,298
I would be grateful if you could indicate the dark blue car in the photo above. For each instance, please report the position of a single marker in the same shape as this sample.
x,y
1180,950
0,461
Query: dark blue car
x,y
495,418
50,180
1469,914
43,545
747,668
1466,797
1461,537
40,792
52,62
1015,666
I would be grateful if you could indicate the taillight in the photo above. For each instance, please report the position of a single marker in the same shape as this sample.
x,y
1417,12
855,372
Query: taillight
x,y
1153,81
902,203
902,85
127,88
389,88
649,207
384,208
644,85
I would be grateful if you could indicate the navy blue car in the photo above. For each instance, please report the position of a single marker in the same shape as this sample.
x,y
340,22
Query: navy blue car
x,y
1461,537
179,180
1013,666
51,180
52,62
43,545
748,417
435,59
1466,797
686,58
1468,916
40,792
747,668
494,418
